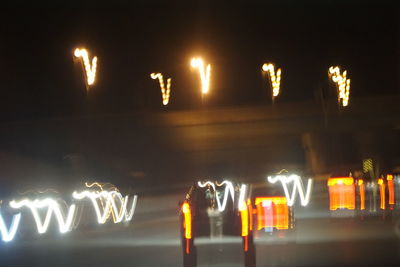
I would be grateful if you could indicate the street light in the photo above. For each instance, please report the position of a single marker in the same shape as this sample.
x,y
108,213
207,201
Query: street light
x,y
342,84
275,78
165,92
204,72
89,68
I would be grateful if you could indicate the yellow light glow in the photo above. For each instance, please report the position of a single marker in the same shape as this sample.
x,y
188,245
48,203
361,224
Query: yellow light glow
x,y
390,184
165,92
342,83
361,187
274,77
187,220
205,73
89,68
382,186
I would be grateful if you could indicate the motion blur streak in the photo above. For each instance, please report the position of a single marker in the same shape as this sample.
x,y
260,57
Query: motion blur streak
x,y
390,184
52,207
297,186
341,193
90,70
165,93
109,197
361,187
187,225
204,73
275,79
8,235
382,187
343,85
272,212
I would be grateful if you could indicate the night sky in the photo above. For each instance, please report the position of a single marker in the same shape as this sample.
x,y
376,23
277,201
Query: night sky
x,y
39,78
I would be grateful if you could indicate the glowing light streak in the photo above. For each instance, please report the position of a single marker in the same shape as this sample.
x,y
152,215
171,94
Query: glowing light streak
x,y
390,185
187,220
272,212
52,207
297,187
8,234
361,187
205,73
89,68
229,190
343,85
121,213
274,77
165,92
382,186
341,193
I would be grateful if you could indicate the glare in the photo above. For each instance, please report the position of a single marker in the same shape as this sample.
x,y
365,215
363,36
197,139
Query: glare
x,y
342,83
52,207
120,210
165,92
8,234
204,71
297,187
89,68
274,77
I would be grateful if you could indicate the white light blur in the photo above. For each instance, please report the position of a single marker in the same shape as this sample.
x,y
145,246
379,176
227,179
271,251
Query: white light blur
x,y
8,234
274,77
297,187
229,191
52,207
343,85
204,72
165,92
89,68
120,211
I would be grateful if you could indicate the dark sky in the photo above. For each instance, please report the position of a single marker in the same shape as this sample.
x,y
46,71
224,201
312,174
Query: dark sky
x,y
39,79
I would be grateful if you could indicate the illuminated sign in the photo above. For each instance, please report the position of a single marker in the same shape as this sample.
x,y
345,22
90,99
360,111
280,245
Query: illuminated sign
x,y
272,212
297,187
89,68
165,92
204,72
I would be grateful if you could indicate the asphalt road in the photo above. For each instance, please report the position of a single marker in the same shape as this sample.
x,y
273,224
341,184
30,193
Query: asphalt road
x,y
152,239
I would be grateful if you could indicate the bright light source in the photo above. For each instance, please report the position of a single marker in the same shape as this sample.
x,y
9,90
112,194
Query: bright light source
x,y
120,211
8,234
187,223
343,85
274,77
204,72
89,68
341,193
272,212
52,207
297,186
165,92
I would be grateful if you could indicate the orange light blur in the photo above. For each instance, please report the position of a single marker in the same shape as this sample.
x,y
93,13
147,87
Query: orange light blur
x,y
187,224
251,212
381,184
341,193
245,221
362,194
390,184
276,215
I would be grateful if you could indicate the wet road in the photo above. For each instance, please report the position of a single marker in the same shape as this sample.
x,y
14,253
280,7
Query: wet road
x,y
152,239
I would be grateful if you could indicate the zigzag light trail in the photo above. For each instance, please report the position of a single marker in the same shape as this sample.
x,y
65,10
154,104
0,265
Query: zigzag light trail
x,y
297,186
